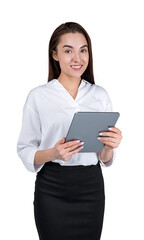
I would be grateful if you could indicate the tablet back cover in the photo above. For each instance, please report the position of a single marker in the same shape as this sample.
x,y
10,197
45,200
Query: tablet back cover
x,y
86,126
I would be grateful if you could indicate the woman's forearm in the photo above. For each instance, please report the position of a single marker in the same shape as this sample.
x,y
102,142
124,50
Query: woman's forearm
x,y
106,155
43,156
47,155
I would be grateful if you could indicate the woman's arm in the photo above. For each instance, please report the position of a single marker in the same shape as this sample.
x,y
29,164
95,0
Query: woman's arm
x,y
43,156
106,155
61,150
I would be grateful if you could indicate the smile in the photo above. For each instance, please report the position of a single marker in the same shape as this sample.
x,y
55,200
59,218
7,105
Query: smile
x,y
76,66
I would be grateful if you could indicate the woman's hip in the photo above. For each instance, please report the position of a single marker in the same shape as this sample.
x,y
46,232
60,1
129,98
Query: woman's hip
x,y
70,183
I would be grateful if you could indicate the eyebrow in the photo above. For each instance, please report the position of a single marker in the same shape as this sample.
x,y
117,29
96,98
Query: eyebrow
x,y
72,47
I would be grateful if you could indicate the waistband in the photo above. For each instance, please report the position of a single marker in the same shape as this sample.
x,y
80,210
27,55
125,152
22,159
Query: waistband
x,y
59,166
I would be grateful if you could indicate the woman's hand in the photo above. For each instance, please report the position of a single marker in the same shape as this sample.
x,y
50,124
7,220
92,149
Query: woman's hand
x,y
111,139
64,151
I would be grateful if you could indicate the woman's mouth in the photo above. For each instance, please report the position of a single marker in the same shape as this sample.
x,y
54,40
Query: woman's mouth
x,y
76,67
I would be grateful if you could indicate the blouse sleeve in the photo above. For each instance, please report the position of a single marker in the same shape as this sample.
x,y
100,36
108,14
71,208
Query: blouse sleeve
x,y
29,139
108,108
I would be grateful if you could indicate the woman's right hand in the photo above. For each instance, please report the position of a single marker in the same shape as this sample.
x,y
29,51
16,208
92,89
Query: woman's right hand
x,y
63,151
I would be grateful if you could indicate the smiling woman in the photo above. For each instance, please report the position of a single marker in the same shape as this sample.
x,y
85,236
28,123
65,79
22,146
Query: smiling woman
x,y
73,57
71,38
69,197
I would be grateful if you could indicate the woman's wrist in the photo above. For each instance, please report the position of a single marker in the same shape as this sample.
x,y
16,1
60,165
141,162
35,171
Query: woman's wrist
x,y
106,155
42,156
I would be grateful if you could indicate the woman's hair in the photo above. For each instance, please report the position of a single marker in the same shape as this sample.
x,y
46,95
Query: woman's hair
x,y
54,67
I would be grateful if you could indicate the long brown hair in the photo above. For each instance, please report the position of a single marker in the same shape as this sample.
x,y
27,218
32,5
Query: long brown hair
x,y
54,67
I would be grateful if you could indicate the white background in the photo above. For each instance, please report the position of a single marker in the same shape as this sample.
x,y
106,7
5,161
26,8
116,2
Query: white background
x,y
116,29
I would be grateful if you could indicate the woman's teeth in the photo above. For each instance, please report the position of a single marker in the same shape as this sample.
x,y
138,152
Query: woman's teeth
x,y
76,66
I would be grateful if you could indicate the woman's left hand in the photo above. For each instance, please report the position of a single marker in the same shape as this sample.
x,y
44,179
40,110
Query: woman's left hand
x,y
112,139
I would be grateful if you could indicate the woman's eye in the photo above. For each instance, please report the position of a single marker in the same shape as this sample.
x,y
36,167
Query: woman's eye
x,y
68,51
83,50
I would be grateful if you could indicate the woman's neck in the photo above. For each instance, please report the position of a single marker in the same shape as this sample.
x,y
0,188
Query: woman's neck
x,y
70,84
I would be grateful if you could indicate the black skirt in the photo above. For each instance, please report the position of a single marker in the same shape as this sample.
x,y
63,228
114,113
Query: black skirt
x,y
69,202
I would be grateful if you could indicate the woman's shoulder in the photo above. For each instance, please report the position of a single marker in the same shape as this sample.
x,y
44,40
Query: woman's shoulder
x,y
41,88
101,94
35,92
37,88
98,89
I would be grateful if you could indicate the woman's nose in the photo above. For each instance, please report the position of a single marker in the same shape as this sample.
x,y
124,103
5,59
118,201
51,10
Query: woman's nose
x,y
76,57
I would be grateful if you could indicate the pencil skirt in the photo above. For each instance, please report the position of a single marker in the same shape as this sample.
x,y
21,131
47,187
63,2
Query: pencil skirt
x,y
69,202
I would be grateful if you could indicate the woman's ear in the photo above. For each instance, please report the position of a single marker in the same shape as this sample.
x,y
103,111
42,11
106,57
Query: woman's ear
x,y
54,55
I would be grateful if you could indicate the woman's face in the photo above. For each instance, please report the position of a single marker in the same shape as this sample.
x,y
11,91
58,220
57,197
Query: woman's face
x,y
72,54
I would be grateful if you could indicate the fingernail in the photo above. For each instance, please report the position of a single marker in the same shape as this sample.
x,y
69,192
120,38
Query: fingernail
x,y
98,138
78,140
82,143
110,128
100,133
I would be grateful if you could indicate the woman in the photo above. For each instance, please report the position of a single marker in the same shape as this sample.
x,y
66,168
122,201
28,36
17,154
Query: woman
x,y
69,196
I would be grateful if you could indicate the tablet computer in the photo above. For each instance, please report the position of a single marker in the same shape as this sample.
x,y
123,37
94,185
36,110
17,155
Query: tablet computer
x,y
86,126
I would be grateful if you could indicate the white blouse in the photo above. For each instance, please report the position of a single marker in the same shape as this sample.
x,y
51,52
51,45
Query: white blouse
x,y
47,115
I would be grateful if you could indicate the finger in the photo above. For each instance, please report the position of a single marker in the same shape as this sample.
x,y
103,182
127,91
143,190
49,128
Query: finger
x,y
109,134
108,139
114,129
71,143
110,144
115,132
75,151
74,146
